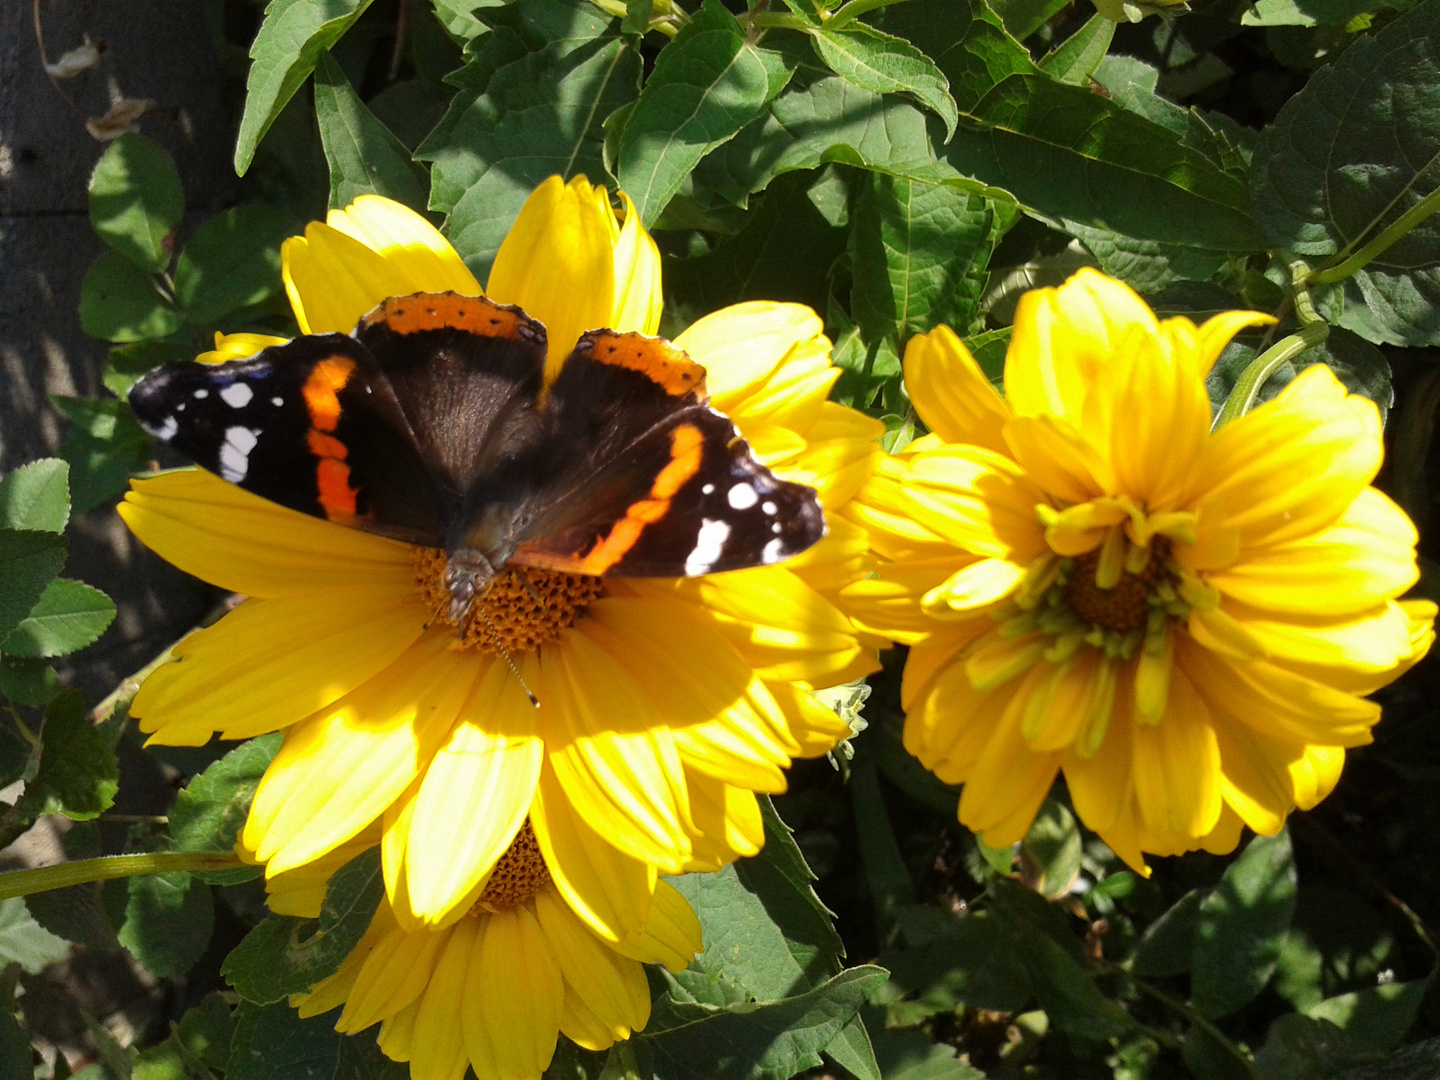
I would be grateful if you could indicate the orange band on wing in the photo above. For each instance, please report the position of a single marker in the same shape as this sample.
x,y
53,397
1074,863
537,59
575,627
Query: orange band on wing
x,y
687,449
654,358
332,478
437,311
324,382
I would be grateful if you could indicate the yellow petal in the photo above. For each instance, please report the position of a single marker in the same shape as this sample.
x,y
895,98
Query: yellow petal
x,y
608,890
978,585
339,770
671,935
978,500
611,987
1008,783
727,821
418,254
638,296
1056,458
951,393
237,347
558,263
395,973
1259,775
475,795
249,545
741,346
437,1044
1177,766
272,662
1215,333
514,993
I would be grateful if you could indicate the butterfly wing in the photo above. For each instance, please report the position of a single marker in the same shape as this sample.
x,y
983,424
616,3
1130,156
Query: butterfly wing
x,y
659,484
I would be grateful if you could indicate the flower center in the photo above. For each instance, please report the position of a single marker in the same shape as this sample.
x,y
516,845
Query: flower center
x,y
523,608
517,877
1125,606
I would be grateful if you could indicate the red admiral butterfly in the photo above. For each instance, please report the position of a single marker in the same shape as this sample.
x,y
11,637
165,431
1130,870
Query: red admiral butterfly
x,y
431,424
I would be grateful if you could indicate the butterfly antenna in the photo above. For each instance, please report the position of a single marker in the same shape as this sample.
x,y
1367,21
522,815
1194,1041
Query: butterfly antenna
x,y
500,648
530,588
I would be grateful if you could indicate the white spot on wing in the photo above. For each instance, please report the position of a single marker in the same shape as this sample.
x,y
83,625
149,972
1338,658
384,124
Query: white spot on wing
x,y
708,545
277,401
708,489
769,507
742,496
180,406
237,395
775,528
201,394
774,551
235,453
166,431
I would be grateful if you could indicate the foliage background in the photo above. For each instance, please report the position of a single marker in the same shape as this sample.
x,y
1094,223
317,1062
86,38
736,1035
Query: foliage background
x,y
923,163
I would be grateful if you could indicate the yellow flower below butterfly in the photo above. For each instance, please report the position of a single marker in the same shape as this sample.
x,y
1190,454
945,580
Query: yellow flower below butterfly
x,y
492,990
1093,582
664,704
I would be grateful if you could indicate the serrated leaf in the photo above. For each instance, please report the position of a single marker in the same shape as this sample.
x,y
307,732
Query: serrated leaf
x,y
273,1043
458,18
25,942
29,561
885,64
284,956
291,39
769,1041
707,84
1241,926
1314,12
541,114
231,262
968,42
168,920
1075,59
1132,85
78,774
365,158
210,810
918,256
1147,266
136,201
104,448
119,302
1068,153
68,616
1357,147
36,496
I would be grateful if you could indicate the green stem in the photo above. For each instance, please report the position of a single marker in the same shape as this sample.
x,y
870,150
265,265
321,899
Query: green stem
x,y
1247,389
44,878
854,9
1190,1014
1375,248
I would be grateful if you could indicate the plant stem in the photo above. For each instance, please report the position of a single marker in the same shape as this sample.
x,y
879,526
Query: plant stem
x,y
44,878
1190,1014
1375,248
854,9
1247,389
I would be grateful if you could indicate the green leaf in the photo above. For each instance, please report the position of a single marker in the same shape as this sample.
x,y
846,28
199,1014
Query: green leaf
x,y
104,448
1147,266
918,256
168,920
458,18
284,956
17,1059
967,41
136,201
232,262
1375,1019
119,302
1357,147
25,682
1024,17
290,41
1068,153
1315,12
29,561
23,941
1167,942
1051,851
554,81
1360,367
1075,59
912,1055
69,616
198,1047
210,810
885,871
885,64
764,1041
951,961
273,1043
707,84
364,157
78,774
1242,925
784,252
36,496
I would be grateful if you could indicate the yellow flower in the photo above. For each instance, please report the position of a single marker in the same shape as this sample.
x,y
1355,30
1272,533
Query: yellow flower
x,y
664,705
492,990
1093,582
